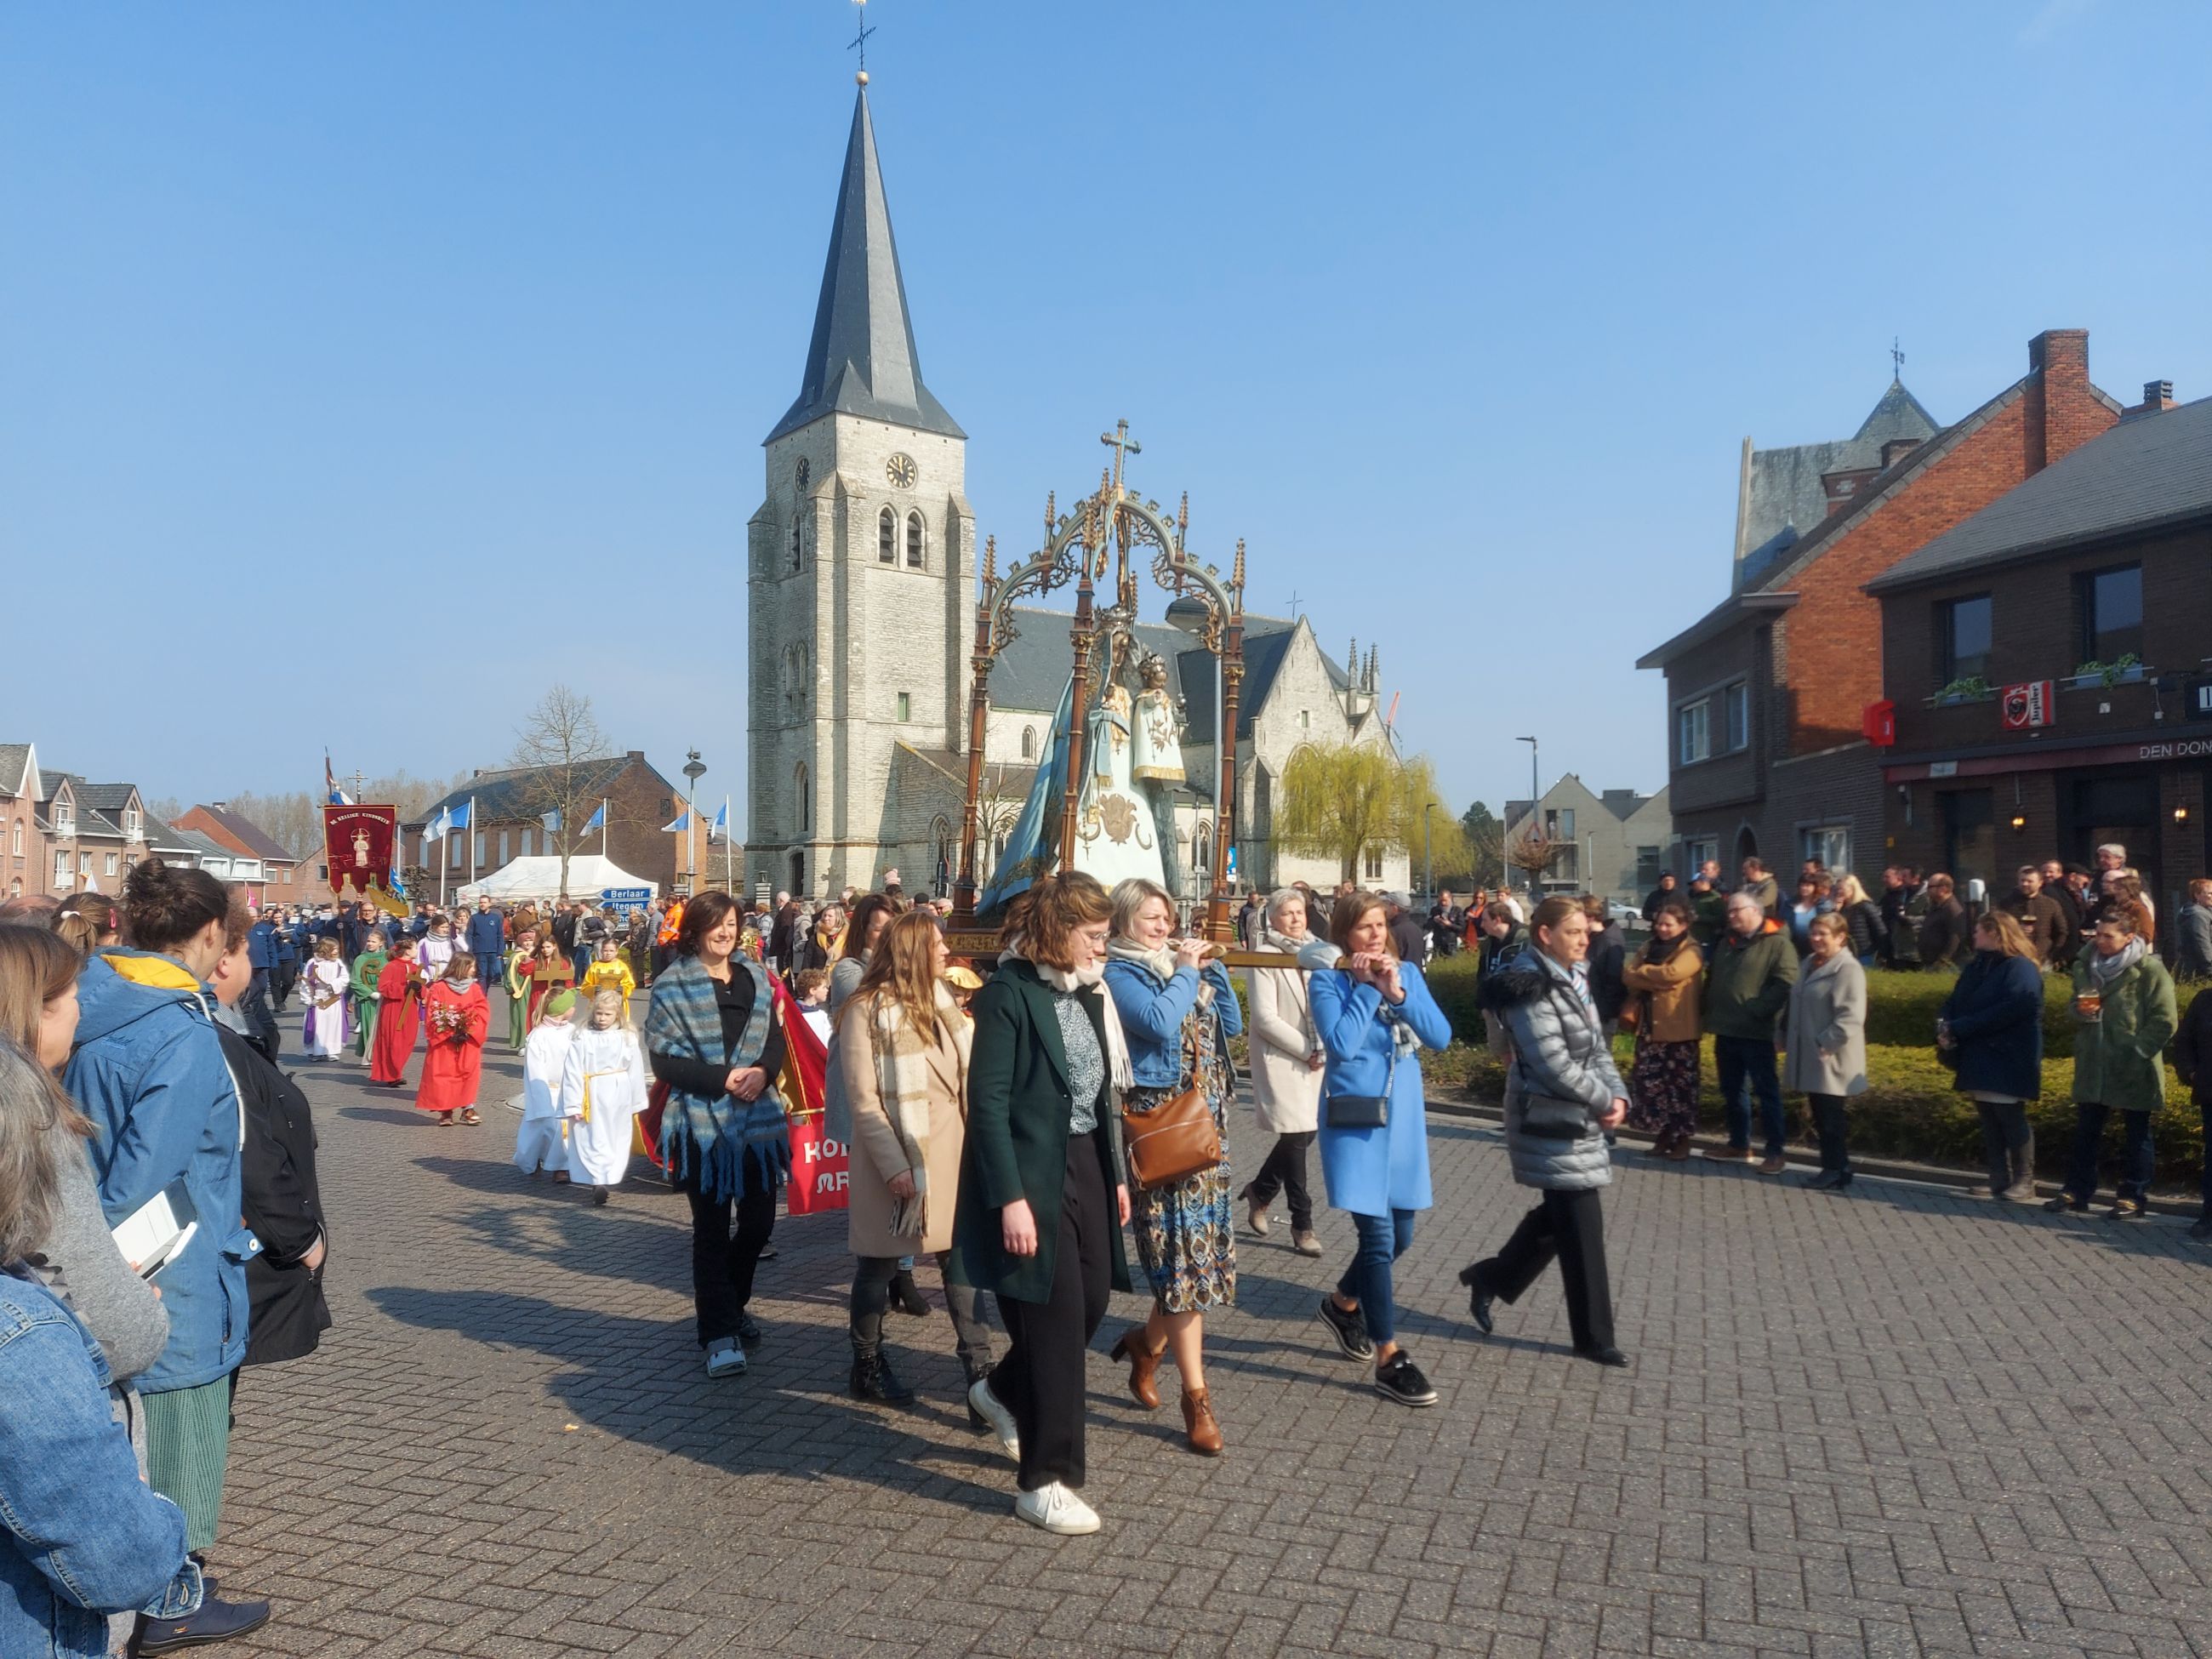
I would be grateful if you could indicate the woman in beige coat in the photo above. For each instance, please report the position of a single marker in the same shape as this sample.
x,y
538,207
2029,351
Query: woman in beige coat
x,y
902,1057
1286,1060
1826,1038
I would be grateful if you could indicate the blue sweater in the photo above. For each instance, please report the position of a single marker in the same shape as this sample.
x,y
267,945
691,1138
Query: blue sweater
x,y
1995,1012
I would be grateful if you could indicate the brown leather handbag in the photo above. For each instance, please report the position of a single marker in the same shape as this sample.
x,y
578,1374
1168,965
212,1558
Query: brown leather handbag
x,y
1177,1138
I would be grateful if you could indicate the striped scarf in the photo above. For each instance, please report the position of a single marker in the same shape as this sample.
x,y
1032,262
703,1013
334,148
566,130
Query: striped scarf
x,y
724,1131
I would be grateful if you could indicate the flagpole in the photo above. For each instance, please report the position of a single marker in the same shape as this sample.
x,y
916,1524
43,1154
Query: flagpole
x,y
729,877
603,829
472,844
445,853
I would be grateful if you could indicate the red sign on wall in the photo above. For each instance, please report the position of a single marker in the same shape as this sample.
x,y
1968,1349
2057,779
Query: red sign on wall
x,y
1878,724
2035,703
358,843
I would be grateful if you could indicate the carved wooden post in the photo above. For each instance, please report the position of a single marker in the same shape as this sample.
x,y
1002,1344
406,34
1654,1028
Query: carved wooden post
x,y
1220,927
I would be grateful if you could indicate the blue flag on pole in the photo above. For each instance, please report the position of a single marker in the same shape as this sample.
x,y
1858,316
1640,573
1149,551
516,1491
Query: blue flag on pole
x,y
1034,846
598,820
721,830
682,821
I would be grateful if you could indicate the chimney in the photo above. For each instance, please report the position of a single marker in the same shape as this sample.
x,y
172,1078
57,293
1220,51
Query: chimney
x,y
2061,407
2157,395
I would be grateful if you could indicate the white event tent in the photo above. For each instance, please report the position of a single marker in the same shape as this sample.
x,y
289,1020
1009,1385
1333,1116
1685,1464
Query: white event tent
x,y
538,877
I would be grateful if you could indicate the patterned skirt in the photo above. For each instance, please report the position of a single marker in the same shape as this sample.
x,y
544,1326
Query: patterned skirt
x,y
1664,1083
1185,1236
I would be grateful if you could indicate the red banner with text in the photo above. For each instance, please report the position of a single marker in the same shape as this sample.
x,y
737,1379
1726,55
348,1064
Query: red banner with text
x,y
357,844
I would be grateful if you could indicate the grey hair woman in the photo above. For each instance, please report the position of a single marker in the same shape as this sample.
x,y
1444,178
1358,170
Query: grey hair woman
x,y
1287,1060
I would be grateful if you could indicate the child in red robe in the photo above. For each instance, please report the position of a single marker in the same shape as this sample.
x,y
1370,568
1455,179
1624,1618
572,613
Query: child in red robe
x,y
455,1016
399,992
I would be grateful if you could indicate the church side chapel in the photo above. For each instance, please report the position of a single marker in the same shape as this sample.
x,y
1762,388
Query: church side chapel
x,y
864,574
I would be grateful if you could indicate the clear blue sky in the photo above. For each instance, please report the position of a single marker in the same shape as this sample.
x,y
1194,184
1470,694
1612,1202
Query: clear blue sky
x,y
363,369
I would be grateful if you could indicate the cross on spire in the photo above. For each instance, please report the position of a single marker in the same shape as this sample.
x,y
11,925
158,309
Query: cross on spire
x,y
1896,361
860,40
1123,445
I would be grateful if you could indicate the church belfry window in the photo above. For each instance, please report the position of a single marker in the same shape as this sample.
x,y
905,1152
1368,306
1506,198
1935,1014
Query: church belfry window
x,y
914,535
805,800
1029,742
797,523
887,537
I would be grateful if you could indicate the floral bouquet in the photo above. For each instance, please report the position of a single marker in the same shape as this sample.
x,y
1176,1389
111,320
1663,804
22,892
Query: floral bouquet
x,y
449,1023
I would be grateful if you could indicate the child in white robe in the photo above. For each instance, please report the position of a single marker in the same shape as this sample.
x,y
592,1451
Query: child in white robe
x,y
323,989
540,1140
602,1089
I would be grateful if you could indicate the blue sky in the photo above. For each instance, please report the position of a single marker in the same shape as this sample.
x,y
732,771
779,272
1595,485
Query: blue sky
x,y
365,369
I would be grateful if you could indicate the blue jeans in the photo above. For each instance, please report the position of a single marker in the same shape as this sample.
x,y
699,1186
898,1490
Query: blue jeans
x,y
491,970
2136,1153
1746,1067
1383,1240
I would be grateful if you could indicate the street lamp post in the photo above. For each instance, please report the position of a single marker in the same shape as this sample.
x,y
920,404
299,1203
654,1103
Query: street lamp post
x,y
1428,864
1533,795
694,769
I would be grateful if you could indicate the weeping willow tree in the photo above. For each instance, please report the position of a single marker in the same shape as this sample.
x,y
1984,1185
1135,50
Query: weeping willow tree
x,y
1351,803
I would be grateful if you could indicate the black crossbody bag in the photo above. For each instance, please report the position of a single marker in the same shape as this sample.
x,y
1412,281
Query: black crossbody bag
x,y
1365,1111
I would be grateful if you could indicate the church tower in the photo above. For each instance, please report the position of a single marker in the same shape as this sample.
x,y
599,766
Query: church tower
x,y
862,559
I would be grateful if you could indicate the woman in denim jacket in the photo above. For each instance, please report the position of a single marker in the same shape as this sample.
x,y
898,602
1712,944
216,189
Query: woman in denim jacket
x,y
1373,1014
80,1536
1177,1019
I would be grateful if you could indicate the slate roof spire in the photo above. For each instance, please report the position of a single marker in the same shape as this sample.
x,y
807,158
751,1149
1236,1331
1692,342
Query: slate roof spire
x,y
861,360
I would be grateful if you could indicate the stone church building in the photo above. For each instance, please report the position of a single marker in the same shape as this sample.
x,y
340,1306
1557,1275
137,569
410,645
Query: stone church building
x,y
862,568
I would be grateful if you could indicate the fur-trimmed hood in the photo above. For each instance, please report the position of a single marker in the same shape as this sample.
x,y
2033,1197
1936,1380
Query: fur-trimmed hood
x,y
1516,983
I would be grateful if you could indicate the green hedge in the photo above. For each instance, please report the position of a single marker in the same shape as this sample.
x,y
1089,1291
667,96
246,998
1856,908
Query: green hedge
x,y
1900,1007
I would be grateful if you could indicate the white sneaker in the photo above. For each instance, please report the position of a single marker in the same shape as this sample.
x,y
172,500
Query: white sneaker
x,y
725,1357
1055,1509
987,1406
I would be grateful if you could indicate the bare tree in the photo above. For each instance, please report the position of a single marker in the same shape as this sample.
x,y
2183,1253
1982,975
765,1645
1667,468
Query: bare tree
x,y
564,756
1532,851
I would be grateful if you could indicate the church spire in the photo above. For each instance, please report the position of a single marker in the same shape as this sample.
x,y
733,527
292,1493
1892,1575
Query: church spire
x,y
861,360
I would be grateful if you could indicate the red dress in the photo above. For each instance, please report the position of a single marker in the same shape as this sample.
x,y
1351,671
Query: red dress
x,y
399,986
453,1064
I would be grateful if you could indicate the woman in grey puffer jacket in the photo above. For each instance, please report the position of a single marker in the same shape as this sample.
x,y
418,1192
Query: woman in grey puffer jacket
x,y
1562,1093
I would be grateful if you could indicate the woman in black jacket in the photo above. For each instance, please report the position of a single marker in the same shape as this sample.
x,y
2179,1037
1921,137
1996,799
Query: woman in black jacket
x,y
1991,1028
1042,1202
1870,932
2193,1058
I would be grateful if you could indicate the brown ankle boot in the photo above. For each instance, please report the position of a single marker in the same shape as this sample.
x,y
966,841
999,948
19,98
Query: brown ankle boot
x,y
1198,1422
1143,1362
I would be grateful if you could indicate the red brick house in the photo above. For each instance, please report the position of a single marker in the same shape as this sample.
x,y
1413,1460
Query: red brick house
x,y
1767,693
284,879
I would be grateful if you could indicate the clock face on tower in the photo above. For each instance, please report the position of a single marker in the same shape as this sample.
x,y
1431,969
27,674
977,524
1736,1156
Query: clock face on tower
x,y
901,471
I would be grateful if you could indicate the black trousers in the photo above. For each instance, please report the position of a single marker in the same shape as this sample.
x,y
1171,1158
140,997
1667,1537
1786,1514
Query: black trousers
x,y
723,1261
1833,1127
872,1297
1041,1379
1571,1227
1285,1172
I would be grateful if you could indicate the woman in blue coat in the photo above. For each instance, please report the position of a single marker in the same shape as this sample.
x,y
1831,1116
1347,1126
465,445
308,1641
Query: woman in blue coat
x,y
1373,1014
1991,1027
1177,1018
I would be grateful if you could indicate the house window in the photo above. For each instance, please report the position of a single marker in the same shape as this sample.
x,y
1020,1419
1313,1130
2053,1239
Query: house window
x,y
905,706
914,534
132,825
1305,719
1735,704
1649,862
1831,843
107,865
477,852
527,839
1694,736
1029,742
61,866
1375,866
15,888
84,864
1963,626
502,846
64,820
887,537
18,848
452,852
1696,854
2110,603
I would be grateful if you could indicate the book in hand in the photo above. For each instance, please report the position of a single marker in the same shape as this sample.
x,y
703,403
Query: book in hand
x,y
157,1234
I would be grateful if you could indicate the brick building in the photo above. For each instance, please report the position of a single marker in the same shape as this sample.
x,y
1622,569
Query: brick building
x,y
511,808
1612,844
1767,693
2047,658
281,878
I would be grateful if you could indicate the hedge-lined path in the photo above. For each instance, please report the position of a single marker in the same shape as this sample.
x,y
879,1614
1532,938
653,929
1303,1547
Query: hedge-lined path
x,y
1897,1421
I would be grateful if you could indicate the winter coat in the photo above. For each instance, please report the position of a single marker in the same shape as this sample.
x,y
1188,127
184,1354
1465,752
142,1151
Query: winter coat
x,y
1748,982
283,1206
1374,1172
1827,1031
1561,1081
2192,1048
486,934
2040,919
1152,1011
2192,943
1945,936
149,1070
1668,991
1995,1012
1285,1087
1018,1111
1869,935
2119,1058
877,1151
1606,958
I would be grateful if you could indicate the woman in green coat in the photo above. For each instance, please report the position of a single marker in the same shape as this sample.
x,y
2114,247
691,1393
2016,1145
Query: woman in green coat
x,y
2124,1018
1041,1205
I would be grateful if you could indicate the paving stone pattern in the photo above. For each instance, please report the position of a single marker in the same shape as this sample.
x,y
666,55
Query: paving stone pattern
x,y
1892,1422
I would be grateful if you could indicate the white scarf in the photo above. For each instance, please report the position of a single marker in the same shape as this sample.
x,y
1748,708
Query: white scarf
x,y
1162,963
1071,981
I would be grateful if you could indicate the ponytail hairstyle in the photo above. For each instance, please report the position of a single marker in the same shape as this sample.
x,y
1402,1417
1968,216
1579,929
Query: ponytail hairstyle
x,y
87,920
163,907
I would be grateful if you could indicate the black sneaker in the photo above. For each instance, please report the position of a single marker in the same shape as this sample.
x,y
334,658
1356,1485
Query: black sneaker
x,y
749,1333
1349,1330
1400,1380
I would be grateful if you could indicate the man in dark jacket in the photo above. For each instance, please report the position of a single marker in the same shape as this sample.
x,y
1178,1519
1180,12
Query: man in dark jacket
x,y
2040,916
1747,988
1944,939
486,940
1446,922
1762,886
1900,893
2070,912
1408,937
2193,1058
1708,911
1659,895
2192,938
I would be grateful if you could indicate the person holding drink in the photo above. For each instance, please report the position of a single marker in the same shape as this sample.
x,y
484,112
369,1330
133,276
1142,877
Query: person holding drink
x,y
2124,1017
